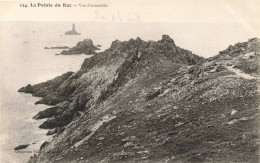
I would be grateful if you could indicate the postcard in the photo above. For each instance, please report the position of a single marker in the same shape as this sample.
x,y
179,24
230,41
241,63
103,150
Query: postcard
x,y
129,81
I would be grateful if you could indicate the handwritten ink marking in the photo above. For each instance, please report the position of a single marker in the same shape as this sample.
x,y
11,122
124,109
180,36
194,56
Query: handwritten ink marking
x,y
99,16
130,17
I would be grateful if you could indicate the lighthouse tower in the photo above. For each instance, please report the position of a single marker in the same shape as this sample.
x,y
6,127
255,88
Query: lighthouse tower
x,y
73,27
73,31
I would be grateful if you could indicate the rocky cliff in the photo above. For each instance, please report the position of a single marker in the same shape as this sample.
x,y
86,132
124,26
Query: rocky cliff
x,y
84,47
153,101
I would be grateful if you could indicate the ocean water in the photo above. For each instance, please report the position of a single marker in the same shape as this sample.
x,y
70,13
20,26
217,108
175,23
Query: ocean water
x,y
23,60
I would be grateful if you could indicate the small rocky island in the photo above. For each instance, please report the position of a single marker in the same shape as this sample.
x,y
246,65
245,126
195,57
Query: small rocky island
x,y
57,47
83,47
73,31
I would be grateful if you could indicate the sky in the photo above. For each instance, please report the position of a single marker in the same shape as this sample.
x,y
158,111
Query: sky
x,y
202,26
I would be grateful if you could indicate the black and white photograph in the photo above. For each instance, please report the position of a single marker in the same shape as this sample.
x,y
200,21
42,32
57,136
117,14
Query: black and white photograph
x,y
129,81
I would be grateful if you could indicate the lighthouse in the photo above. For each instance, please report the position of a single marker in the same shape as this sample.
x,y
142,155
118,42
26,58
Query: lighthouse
x,y
73,27
73,31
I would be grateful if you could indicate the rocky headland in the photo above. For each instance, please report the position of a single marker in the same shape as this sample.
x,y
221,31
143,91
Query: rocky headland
x,y
83,47
154,101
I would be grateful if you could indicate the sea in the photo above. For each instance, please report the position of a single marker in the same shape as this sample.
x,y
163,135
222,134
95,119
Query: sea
x,y
24,60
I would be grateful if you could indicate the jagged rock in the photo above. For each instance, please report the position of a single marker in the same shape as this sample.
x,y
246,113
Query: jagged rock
x,y
27,89
42,89
50,112
52,131
44,145
115,45
58,121
84,47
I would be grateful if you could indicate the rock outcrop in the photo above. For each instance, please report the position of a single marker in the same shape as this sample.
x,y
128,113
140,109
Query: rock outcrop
x,y
84,47
57,47
21,146
153,101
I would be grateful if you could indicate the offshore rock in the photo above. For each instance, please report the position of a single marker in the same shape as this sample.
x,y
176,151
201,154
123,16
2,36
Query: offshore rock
x,y
84,47
57,47
21,146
